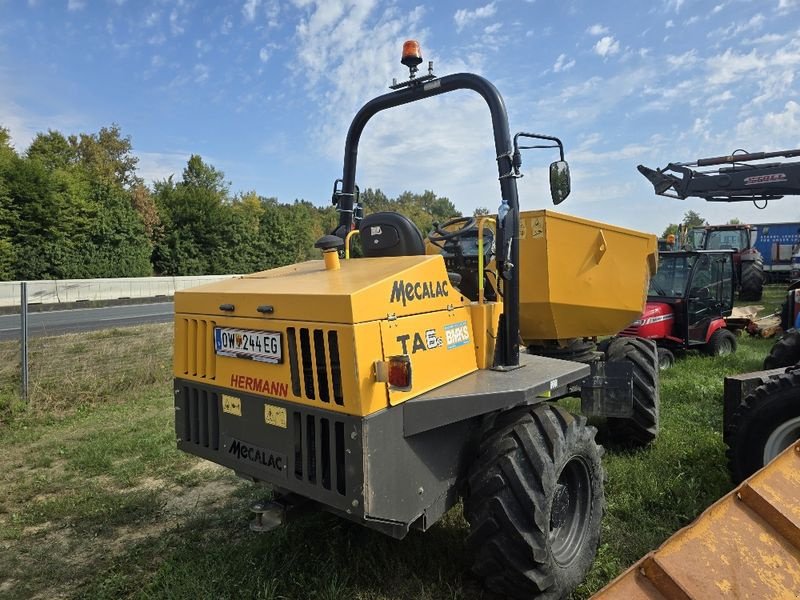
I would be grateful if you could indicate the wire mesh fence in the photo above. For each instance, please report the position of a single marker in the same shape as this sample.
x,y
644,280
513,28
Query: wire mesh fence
x,y
74,369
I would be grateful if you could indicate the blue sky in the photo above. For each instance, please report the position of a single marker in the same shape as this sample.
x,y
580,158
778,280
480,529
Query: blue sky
x,y
265,90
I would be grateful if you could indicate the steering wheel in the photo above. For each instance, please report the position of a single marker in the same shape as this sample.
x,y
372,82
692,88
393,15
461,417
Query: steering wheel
x,y
440,233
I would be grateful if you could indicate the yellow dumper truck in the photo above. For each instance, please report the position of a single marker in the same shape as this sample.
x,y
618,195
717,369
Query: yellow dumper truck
x,y
386,388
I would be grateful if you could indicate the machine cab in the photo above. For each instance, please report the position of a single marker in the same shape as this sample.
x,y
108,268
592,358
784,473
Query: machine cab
x,y
699,286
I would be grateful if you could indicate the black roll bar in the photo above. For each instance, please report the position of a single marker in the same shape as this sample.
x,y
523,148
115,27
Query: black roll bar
x,y
508,228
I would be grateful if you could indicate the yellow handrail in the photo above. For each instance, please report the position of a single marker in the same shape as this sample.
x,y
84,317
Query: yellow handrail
x,y
481,222
347,243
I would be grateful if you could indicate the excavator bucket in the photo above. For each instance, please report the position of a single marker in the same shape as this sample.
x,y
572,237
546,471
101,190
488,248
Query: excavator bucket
x,y
746,545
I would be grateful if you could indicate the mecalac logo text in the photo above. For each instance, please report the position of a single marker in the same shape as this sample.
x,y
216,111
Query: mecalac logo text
x,y
272,460
405,292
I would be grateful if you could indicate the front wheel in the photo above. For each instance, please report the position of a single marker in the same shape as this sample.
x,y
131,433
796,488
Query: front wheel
x,y
766,422
534,502
721,343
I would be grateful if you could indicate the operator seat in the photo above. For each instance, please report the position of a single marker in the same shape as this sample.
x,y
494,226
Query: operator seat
x,y
390,234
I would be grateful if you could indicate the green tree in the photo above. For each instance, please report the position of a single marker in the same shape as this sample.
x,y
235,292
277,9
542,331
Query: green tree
x,y
693,219
53,150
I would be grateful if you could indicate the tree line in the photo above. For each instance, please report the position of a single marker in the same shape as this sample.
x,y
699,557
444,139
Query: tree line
x,y
74,207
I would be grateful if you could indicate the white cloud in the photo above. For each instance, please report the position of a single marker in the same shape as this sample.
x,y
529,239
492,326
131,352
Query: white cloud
x,y
493,28
175,25
680,61
249,9
74,5
669,24
606,46
152,18
597,29
785,6
767,38
227,25
200,73
154,166
729,66
563,64
464,17
263,55
772,130
674,5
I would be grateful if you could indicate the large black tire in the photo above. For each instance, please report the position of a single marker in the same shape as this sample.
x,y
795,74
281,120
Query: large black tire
x,y
642,427
785,352
721,343
534,502
766,422
752,282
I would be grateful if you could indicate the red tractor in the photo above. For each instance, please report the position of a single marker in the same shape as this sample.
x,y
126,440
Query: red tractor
x,y
747,260
687,301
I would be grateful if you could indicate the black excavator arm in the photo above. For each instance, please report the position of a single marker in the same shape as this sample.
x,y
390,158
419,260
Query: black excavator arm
x,y
734,179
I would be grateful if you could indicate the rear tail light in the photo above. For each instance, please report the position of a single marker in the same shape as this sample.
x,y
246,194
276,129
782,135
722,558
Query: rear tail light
x,y
396,371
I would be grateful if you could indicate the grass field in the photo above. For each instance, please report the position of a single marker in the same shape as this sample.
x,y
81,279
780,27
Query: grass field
x,y
97,503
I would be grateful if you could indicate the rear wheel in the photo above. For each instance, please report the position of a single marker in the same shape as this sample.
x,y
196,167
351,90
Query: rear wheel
x,y
766,422
721,343
534,502
666,359
752,284
785,352
641,428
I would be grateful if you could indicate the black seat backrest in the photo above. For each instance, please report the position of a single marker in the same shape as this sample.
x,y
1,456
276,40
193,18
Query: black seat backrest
x,y
390,234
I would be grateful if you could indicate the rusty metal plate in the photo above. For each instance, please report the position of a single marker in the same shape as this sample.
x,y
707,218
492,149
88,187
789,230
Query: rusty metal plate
x,y
746,545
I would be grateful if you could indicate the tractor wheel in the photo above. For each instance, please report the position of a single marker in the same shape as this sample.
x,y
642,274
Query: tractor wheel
x,y
766,422
534,502
752,283
642,427
666,359
785,352
721,343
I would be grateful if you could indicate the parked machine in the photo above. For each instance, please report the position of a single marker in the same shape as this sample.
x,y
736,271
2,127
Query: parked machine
x,y
738,177
748,261
687,301
384,388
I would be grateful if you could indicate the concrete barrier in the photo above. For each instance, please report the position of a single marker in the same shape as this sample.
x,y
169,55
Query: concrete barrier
x,y
81,290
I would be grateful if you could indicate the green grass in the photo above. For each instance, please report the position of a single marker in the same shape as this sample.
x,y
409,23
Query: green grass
x,y
97,503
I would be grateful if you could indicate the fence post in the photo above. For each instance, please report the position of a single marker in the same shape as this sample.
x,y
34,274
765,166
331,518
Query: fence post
x,y
23,305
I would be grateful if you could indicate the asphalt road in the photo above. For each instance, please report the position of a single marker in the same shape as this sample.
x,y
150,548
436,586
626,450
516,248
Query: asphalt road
x,y
56,322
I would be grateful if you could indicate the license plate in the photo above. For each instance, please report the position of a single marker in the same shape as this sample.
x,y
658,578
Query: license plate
x,y
264,346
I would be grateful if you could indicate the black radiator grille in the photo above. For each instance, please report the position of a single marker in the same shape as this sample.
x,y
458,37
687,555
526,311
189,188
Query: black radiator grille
x,y
319,451
200,410
315,369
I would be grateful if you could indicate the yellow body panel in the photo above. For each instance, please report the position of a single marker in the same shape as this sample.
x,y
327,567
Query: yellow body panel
x,y
484,328
746,545
362,290
439,344
580,278
359,345
351,317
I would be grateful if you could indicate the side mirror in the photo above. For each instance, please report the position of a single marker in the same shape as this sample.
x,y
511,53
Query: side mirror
x,y
560,185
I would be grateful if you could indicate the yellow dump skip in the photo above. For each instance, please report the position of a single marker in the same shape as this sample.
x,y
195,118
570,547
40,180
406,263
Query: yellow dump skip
x,y
746,545
580,278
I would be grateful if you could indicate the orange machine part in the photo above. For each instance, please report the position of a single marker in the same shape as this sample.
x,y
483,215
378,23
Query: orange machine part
x,y
746,545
